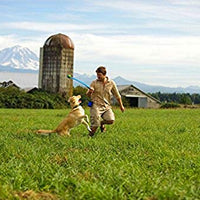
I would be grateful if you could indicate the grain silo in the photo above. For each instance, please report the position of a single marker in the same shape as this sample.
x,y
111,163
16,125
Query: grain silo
x,y
56,62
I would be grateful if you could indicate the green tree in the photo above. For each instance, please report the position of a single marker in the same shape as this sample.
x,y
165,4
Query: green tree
x,y
81,91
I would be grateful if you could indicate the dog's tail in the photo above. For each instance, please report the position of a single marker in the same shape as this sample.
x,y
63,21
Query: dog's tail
x,y
45,132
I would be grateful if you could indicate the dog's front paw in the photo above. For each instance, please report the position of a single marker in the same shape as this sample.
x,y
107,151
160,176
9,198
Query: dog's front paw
x,y
88,128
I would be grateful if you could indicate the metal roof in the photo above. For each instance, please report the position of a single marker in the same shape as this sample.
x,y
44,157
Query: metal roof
x,y
132,95
59,40
122,87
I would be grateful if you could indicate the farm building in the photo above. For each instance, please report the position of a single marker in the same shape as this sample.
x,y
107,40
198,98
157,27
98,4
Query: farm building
x,y
138,98
56,62
8,84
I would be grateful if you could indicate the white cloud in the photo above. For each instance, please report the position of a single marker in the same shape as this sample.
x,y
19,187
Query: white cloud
x,y
172,61
7,40
154,9
185,2
33,43
141,50
50,27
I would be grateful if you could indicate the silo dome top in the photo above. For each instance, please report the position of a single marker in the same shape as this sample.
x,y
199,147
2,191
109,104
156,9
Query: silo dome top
x,y
59,40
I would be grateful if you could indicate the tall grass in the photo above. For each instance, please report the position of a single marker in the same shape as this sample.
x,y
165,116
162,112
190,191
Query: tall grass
x,y
146,154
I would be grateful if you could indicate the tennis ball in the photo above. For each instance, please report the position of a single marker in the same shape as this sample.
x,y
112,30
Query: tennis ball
x,y
69,76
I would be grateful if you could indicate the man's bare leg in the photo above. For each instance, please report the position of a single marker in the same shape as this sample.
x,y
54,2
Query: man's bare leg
x,y
102,127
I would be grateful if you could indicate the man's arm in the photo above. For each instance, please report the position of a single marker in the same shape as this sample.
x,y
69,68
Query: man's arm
x,y
91,90
117,96
120,104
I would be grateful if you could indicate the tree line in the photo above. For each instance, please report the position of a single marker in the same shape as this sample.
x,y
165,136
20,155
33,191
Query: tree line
x,y
12,97
180,98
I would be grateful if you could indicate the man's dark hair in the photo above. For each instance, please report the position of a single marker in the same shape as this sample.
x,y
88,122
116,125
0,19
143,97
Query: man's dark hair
x,y
101,69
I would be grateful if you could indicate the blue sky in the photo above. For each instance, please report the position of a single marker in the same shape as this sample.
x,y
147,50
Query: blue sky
x,y
154,42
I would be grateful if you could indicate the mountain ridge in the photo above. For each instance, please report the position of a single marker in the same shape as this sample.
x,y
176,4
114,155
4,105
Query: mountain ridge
x,y
142,86
23,60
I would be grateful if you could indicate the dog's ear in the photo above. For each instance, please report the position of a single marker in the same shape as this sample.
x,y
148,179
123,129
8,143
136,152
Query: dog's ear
x,y
69,100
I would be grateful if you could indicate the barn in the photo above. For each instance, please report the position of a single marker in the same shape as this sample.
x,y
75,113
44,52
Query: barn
x,y
138,98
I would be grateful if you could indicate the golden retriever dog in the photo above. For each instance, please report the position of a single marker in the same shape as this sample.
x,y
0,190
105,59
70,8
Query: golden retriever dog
x,y
74,118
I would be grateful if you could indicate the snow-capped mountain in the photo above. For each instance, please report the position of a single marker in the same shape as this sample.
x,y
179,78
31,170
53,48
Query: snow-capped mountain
x,y
18,58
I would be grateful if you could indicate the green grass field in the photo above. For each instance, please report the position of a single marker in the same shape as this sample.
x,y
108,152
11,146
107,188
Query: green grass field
x,y
146,154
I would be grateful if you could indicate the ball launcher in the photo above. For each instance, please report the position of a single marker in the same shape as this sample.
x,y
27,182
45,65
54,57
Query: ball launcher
x,y
81,82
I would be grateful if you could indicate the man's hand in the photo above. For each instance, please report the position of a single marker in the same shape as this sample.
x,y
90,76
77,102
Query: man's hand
x,y
122,108
121,104
89,92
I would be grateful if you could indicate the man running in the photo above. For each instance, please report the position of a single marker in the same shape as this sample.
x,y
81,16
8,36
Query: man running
x,y
100,94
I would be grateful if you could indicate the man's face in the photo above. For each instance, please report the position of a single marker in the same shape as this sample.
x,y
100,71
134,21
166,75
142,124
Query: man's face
x,y
100,76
